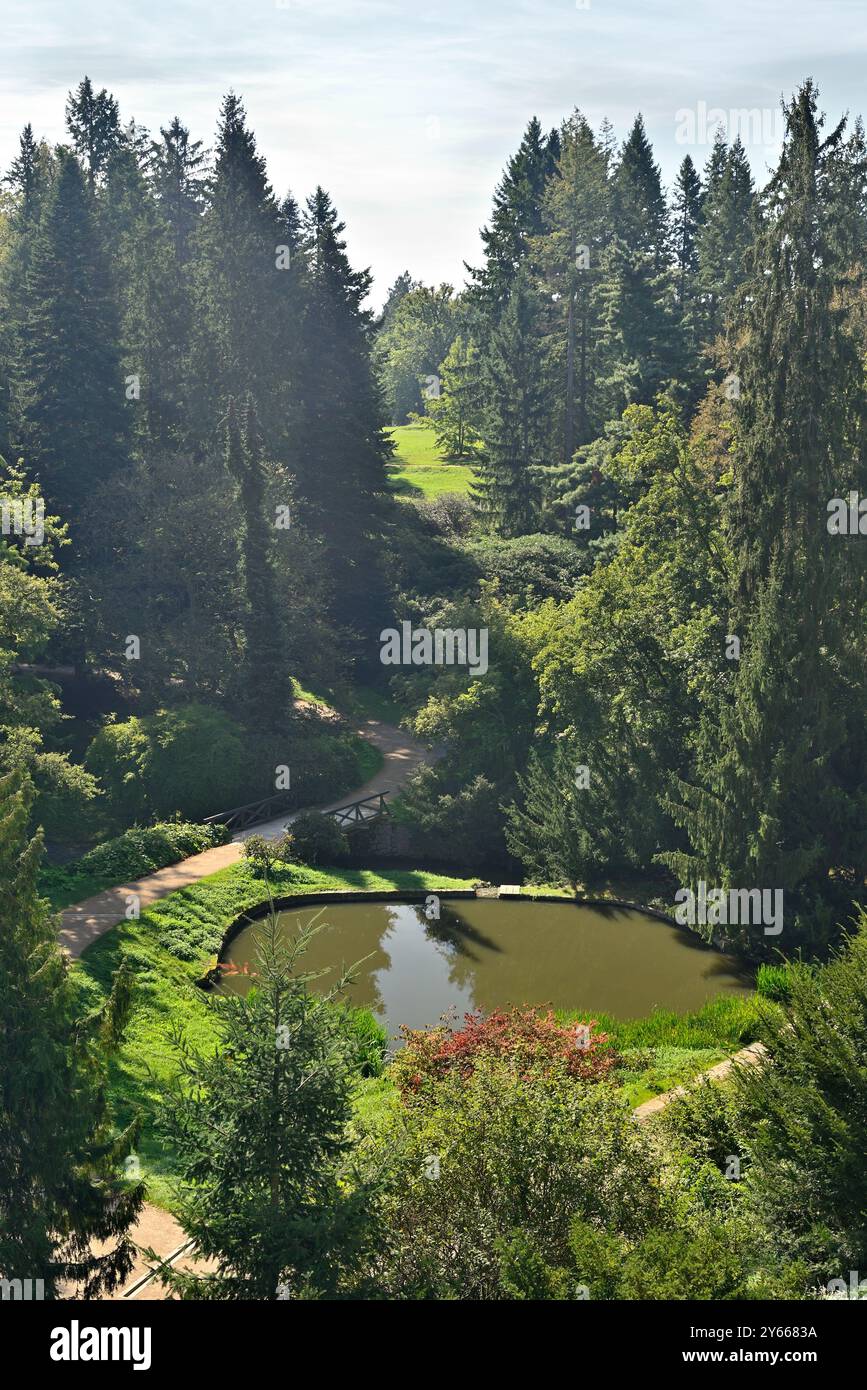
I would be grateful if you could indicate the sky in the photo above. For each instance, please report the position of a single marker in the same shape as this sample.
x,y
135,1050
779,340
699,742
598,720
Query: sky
x,y
407,112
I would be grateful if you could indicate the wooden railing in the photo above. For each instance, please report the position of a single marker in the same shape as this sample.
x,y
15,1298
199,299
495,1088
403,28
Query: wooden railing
x,y
255,812
359,811
240,817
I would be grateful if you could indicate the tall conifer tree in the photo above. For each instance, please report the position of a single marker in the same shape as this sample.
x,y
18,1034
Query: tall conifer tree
x,y
93,121
782,801
267,685
339,449
638,282
517,417
726,233
75,421
61,1184
578,221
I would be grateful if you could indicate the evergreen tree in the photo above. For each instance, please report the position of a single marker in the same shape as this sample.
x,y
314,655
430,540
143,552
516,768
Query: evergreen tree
x,y
93,121
687,209
72,391
339,449
801,1116
248,294
178,179
578,221
638,289
29,179
726,233
781,801
517,216
261,1130
266,682
456,411
61,1189
516,418
152,299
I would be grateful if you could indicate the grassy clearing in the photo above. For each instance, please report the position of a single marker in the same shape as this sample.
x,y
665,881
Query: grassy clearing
x,y
419,470
728,1022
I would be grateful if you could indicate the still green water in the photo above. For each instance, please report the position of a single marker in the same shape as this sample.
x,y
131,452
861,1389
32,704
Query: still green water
x,y
486,954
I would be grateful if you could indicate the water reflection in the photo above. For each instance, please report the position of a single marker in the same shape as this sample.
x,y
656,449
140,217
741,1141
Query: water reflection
x,y
484,954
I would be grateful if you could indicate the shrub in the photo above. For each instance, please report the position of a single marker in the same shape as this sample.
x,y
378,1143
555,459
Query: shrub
x,y
117,757
670,1264
529,1039
450,513
316,839
192,760
142,851
532,568
264,854
503,1151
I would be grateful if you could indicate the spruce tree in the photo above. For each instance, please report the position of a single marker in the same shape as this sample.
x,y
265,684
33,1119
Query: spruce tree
x,y
71,386
687,214
456,411
29,179
339,449
516,420
152,299
247,299
61,1162
93,121
725,235
517,216
261,1128
266,681
177,175
781,801
638,283
578,222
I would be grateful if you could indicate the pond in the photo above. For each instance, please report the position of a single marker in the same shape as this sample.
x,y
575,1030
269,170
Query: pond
x,y
487,953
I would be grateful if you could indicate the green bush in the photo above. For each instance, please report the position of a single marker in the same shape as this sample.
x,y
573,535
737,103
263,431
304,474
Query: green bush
x,y
504,1150
129,856
317,839
192,760
142,851
264,854
532,568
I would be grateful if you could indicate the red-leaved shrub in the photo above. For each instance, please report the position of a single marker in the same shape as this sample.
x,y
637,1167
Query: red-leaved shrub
x,y
532,1040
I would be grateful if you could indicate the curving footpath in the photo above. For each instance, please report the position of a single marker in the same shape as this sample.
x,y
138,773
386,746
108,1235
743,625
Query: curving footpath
x,y
84,922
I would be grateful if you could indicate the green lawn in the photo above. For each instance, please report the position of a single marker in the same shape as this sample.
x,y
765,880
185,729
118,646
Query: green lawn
x,y
419,470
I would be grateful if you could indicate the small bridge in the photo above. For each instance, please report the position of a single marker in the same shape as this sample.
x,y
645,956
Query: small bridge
x,y
254,813
257,812
358,812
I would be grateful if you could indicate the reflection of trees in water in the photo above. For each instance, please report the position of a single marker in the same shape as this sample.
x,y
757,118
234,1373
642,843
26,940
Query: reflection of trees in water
x,y
464,943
